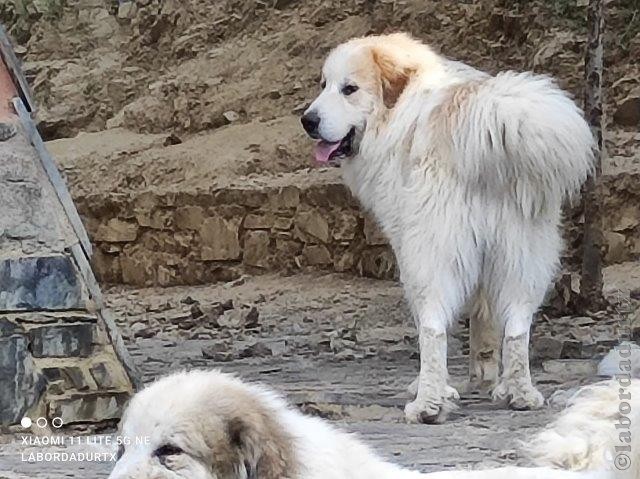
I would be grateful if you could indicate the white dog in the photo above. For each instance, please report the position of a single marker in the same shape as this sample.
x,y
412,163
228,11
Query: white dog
x,y
210,425
466,174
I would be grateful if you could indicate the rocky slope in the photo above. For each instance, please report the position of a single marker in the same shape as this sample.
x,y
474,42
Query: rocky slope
x,y
163,66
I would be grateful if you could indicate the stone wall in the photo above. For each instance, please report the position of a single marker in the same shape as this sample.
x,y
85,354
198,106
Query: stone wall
x,y
197,238
180,238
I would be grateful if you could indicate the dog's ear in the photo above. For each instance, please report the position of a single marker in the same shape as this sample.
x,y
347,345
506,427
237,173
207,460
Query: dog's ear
x,y
394,76
244,439
262,449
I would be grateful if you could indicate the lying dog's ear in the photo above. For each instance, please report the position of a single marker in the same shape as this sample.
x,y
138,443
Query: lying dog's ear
x,y
393,75
246,442
263,450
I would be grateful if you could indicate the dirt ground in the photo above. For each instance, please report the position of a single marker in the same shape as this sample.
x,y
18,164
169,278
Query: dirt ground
x,y
338,347
121,161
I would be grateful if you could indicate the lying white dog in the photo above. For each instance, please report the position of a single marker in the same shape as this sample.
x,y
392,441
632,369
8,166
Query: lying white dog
x,y
210,425
466,174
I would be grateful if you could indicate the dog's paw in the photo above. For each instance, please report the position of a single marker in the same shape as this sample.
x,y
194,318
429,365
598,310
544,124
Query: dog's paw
x,y
517,396
425,412
430,410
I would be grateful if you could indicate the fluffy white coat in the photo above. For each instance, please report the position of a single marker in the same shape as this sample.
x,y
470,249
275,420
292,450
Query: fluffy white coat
x,y
195,412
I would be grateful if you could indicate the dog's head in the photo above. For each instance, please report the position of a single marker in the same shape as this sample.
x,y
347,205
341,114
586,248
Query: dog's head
x,y
361,80
203,425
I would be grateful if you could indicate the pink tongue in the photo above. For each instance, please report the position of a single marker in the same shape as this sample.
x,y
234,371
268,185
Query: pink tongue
x,y
324,149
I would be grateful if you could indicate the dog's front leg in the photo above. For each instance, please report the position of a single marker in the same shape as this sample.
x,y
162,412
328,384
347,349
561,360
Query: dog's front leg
x,y
433,400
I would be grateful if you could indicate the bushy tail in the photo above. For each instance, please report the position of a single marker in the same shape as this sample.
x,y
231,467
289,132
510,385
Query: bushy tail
x,y
600,430
520,131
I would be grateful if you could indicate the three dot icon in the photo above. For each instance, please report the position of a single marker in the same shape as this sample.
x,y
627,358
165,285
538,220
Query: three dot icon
x,y
41,422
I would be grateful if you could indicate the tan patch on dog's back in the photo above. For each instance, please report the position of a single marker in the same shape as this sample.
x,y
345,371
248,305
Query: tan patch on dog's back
x,y
444,117
447,112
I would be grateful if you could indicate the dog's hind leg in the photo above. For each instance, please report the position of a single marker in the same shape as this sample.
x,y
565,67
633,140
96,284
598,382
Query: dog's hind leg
x,y
484,346
515,385
519,269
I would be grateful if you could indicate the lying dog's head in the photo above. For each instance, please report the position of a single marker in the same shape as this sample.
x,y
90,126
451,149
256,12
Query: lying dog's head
x,y
361,79
203,425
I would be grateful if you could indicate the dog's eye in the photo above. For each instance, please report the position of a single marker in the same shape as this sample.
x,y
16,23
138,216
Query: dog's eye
x,y
166,454
323,84
349,89
167,450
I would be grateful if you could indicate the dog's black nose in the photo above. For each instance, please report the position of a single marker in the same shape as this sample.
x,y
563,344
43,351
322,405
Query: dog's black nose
x,y
310,122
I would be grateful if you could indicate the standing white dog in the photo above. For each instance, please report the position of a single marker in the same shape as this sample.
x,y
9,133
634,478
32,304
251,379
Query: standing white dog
x,y
466,174
209,425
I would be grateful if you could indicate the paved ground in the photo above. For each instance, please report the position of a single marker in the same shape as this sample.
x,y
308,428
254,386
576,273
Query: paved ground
x,y
337,347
